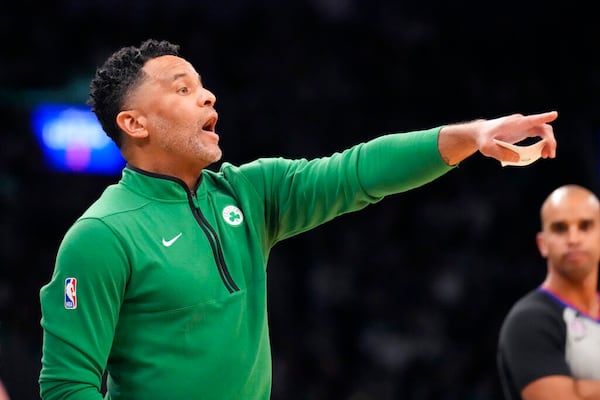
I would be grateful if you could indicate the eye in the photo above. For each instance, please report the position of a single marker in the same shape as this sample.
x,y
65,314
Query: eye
x,y
558,227
183,90
586,225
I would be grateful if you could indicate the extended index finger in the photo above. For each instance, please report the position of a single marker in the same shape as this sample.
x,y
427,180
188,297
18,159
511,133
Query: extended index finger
x,y
539,126
542,118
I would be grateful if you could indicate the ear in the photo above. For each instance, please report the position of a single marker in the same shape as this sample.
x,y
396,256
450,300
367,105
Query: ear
x,y
541,244
133,124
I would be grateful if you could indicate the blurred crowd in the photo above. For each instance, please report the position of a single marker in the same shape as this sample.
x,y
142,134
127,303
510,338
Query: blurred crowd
x,y
402,300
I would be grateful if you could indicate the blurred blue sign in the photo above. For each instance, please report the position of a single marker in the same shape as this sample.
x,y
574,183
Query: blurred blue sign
x,y
72,140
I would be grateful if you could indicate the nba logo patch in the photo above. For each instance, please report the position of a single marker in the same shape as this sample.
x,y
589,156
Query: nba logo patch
x,y
71,293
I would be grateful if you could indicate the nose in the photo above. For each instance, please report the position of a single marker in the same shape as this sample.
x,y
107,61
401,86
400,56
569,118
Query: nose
x,y
574,234
207,98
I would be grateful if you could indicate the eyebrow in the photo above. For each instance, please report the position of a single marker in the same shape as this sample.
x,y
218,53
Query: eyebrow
x,y
184,75
579,221
555,224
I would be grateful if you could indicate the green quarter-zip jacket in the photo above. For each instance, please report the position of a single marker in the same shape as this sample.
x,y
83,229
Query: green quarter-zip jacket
x,y
165,288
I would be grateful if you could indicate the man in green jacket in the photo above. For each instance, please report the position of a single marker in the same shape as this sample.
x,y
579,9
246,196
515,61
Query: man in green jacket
x,y
162,281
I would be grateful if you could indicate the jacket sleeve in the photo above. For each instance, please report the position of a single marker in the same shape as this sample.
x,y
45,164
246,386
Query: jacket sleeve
x,y
78,328
301,194
399,162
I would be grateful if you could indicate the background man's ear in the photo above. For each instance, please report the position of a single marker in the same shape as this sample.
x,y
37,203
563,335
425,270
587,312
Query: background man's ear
x,y
539,239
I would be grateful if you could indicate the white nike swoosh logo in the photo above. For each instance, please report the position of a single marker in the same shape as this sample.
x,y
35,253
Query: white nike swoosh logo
x,y
168,243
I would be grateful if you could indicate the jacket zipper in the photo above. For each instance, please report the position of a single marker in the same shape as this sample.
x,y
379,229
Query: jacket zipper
x,y
215,246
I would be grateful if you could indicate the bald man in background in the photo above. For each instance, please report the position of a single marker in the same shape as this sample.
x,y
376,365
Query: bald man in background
x,y
549,343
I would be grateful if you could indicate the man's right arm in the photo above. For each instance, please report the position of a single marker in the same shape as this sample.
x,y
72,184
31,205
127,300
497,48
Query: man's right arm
x,y
588,389
563,388
531,349
79,325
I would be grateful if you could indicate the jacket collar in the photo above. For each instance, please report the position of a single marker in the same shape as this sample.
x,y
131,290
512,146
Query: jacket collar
x,y
156,186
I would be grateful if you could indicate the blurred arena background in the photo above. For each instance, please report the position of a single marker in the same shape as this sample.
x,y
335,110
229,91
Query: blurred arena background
x,y
402,300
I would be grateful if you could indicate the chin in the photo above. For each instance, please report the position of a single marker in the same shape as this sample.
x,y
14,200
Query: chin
x,y
218,156
209,154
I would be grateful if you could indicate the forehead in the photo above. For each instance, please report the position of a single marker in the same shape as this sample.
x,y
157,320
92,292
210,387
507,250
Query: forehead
x,y
573,207
166,69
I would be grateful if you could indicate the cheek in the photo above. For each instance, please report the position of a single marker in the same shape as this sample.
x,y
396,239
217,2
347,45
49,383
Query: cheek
x,y
548,248
170,107
542,247
595,246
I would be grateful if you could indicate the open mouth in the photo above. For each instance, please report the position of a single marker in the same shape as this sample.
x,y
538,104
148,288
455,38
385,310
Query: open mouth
x,y
210,124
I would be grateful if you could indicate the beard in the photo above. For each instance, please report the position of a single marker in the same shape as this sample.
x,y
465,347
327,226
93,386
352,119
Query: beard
x,y
187,143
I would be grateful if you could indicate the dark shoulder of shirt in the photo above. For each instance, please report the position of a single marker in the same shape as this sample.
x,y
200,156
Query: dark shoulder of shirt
x,y
537,301
536,313
535,309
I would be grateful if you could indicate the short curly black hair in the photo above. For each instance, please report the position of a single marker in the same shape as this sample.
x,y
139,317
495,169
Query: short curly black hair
x,y
115,79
